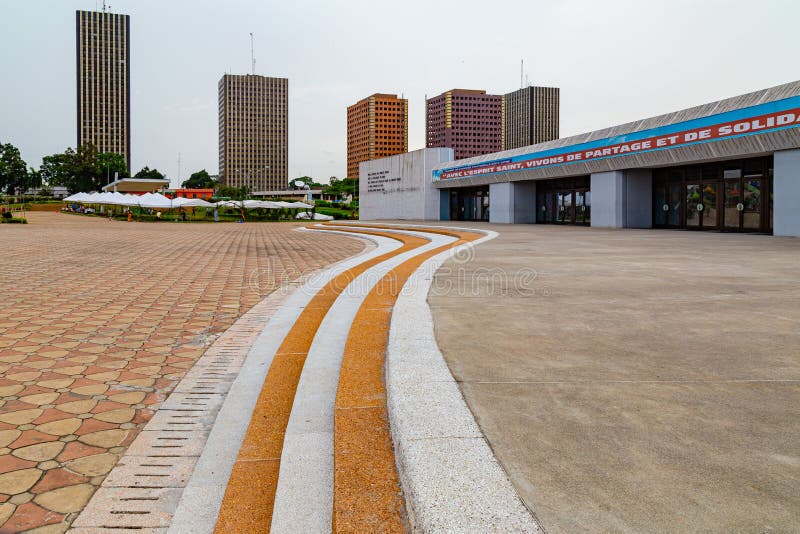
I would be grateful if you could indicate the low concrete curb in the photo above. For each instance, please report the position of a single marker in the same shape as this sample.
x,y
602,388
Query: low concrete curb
x,y
451,479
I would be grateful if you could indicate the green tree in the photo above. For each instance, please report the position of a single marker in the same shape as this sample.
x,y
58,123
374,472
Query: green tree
x,y
83,169
227,191
199,180
35,179
152,174
55,169
234,193
109,163
343,187
13,170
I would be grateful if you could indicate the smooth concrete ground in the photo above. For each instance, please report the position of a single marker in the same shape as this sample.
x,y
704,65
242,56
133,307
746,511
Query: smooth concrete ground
x,y
641,381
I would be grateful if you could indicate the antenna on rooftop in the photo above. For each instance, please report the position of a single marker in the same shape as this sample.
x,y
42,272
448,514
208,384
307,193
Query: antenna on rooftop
x,y
179,167
106,5
521,67
252,54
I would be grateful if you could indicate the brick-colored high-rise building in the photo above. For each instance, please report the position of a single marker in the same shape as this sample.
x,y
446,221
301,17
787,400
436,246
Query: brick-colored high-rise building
x,y
254,132
530,116
102,52
377,126
467,120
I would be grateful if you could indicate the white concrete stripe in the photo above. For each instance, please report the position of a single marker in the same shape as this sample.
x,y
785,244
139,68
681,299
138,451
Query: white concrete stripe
x,y
451,480
199,504
304,495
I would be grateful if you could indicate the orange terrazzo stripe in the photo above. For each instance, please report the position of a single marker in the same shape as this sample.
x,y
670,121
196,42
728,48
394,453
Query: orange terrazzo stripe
x,y
367,494
250,495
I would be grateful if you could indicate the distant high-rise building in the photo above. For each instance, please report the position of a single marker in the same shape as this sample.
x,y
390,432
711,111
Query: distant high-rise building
x,y
467,120
377,126
530,116
254,132
102,54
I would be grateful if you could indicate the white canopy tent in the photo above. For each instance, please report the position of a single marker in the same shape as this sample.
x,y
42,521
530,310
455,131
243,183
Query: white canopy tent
x,y
155,201
76,197
191,203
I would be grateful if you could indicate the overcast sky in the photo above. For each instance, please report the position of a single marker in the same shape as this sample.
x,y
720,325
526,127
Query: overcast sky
x,y
615,61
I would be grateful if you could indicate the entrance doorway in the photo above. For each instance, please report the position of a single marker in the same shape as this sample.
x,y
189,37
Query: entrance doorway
x,y
469,204
732,196
567,201
701,205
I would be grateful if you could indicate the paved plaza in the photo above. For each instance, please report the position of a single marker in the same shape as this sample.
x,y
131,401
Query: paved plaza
x,y
99,321
633,381
620,380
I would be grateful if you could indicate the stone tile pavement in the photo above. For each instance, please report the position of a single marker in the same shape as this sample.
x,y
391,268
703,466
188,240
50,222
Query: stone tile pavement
x,y
98,322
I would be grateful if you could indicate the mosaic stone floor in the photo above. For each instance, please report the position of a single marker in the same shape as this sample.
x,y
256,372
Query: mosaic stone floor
x,y
98,322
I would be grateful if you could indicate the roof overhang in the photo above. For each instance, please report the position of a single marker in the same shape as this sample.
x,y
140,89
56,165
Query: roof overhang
x,y
137,185
749,125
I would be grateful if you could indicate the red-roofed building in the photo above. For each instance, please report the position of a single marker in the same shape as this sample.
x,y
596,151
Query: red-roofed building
x,y
204,194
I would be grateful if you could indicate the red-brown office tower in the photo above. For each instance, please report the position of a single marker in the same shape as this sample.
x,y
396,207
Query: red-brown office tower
x,y
466,120
377,126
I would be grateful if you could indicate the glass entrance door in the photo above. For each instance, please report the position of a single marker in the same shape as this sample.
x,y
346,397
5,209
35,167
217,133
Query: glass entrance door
x,y
564,213
744,204
701,206
667,205
732,211
710,209
732,196
564,201
469,204
752,217
583,205
660,205
693,205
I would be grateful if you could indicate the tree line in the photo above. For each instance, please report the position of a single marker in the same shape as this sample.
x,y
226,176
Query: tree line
x,y
85,169
81,169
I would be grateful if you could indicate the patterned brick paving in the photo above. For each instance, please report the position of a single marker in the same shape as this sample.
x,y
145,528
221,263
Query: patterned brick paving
x,y
98,322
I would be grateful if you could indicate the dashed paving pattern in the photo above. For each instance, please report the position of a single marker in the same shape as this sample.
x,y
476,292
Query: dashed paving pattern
x,y
99,321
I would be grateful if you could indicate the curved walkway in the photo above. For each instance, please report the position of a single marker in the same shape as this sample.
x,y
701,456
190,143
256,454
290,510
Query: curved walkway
x,y
322,384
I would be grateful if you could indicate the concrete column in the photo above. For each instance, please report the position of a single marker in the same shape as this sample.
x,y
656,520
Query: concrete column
x,y
608,199
512,202
501,203
525,202
786,189
622,199
638,198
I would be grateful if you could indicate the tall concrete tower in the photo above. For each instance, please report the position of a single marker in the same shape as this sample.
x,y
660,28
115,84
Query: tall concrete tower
x,y
254,132
102,53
